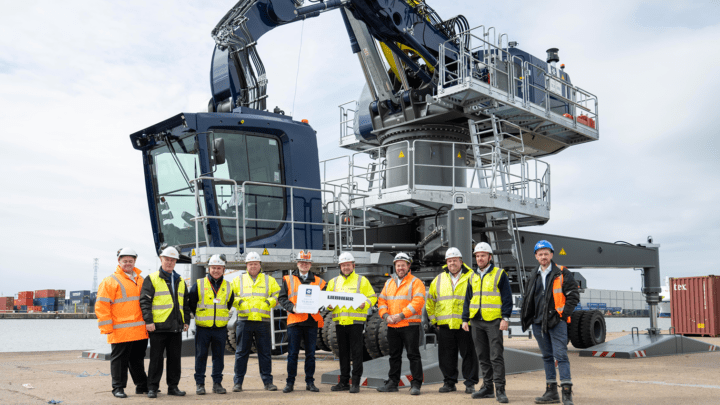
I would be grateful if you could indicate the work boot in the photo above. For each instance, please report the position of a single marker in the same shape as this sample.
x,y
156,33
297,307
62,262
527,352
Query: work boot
x,y
355,388
270,387
447,387
341,386
119,393
550,396
567,394
390,386
414,390
175,391
218,388
152,394
237,388
500,394
200,390
311,387
288,388
141,390
469,389
487,391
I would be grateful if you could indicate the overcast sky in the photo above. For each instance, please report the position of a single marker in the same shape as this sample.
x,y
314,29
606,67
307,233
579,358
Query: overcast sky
x,y
77,77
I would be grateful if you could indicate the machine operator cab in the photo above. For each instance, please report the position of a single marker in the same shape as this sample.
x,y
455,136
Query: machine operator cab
x,y
251,163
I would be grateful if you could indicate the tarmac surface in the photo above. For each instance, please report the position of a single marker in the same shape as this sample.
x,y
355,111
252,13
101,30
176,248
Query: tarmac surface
x,y
40,377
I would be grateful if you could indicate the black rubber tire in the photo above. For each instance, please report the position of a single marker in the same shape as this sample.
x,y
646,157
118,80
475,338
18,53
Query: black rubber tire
x,y
592,329
329,324
574,329
332,339
371,335
383,340
321,331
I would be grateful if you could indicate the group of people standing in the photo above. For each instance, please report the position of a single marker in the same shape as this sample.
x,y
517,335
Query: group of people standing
x,y
469,308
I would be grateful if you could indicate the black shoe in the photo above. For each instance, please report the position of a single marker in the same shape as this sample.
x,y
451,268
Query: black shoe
x,y
200,390
469,389
141,390
175,391
119,393
500,395
550,396
447,387
288,388
270,387
414,390
152,394
312,387
237,388
355,389
340,387
218,388
567,394
390,386
487,391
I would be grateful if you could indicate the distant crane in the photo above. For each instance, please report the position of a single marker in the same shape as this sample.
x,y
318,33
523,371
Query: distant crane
x,y
95,270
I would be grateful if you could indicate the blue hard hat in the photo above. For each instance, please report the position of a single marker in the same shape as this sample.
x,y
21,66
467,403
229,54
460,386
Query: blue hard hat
x,y
543,244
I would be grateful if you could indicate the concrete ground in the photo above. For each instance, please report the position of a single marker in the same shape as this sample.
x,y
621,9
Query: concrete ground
x,y
39,377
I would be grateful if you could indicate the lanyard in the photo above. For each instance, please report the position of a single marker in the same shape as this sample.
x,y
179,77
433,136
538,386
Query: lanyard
x,y
212,286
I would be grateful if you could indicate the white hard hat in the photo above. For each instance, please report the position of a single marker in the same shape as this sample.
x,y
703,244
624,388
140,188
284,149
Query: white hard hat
x,y
482,247
126,252
453,252
402,256
217,260
170,252
252,257
303,256
346,257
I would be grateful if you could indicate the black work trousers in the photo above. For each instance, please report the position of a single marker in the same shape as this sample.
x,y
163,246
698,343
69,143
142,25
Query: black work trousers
x,y
407,337
452,342
350,344
164,344
488,340
128,355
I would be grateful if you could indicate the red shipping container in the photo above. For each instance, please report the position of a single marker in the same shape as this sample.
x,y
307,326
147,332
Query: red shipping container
x,y
6,301
26,302
45,294
60,294
26,295
695,305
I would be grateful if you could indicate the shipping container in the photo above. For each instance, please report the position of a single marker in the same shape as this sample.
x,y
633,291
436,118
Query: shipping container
x,y
81,294
695,305
60,294
26,294
602,305
25,302
44,293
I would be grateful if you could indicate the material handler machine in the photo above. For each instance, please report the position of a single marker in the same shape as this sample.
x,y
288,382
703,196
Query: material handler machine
x,y
445,147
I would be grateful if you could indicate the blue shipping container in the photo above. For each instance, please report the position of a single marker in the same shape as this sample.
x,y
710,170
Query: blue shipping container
x,y
81,293
45,301
602,305
593,305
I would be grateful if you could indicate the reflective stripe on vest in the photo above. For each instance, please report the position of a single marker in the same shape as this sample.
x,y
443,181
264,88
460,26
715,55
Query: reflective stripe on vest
x,y
486,296
209,313
245,313
294,283
162,304
124,298
357,316
405,299
449,302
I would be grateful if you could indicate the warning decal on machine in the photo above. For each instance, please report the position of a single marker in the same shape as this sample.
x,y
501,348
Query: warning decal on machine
x,y
402,155
265,252
562,252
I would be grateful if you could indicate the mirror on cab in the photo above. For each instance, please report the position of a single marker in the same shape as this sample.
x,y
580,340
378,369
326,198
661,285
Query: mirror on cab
x,y
219,151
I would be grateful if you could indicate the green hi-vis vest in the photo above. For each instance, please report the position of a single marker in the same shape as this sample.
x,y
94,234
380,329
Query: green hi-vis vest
x,y
212,309
445,304
486,295
162,304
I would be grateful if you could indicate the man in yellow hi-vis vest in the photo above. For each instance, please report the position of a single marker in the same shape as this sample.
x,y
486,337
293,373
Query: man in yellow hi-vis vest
x,y
210,300
166,313
350,322
488,306
444,306
256,294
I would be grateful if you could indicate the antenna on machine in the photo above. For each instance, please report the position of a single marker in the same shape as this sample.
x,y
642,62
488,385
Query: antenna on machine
x,y
95,270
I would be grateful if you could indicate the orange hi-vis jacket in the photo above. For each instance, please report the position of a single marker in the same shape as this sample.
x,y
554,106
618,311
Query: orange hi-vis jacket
x,y
118,308
293,283
407,299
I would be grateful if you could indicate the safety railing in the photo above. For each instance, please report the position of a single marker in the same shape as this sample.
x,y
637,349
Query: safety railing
x,y
491,66
347,118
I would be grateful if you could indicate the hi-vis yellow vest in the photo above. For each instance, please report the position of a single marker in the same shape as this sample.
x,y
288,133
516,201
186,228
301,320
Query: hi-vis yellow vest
x,y
486,297
255,299
162,304
212,309
352,284
444,305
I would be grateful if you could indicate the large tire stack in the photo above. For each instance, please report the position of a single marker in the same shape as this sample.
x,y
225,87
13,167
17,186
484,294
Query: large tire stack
x,y
372,328
587,329
321,345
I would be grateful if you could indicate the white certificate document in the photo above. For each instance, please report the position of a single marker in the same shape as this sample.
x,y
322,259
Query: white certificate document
x,y
309,299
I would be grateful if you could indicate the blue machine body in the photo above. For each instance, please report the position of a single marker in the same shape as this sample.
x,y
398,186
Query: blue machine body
x,y
297,146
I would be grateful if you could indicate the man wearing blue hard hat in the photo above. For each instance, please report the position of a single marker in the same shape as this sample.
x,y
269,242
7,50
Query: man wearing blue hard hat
x,y
551,294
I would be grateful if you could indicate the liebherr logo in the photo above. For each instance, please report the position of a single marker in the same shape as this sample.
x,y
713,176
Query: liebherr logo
x,y
680,287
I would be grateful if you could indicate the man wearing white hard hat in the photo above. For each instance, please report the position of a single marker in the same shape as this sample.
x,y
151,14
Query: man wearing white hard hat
x,y
210,300
167,314
256,295
301,326
444,307
350,322
487,308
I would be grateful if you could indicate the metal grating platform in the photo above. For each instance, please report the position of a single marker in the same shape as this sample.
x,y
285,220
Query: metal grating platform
x,y
638,346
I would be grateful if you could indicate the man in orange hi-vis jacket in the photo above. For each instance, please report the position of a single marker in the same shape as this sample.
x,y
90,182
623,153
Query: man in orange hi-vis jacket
x,y
400,303
120,318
